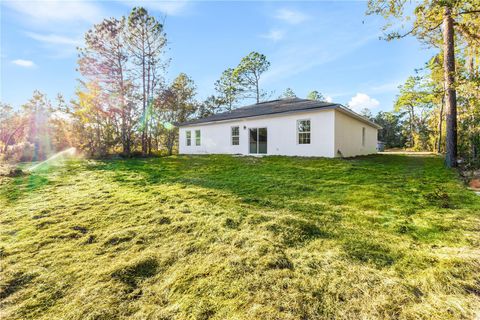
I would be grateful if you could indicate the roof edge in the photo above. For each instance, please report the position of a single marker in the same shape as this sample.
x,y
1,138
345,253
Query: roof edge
x,y
193,122
334,106
358,116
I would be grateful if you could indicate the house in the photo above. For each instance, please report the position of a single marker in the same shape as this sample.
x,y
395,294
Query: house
x,y
292,127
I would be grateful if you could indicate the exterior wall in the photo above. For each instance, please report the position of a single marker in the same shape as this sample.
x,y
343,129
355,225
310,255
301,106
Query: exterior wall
x,y
348,136
281,140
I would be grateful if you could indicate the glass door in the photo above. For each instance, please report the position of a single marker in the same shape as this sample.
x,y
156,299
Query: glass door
x,y
258,140
262,140
253,140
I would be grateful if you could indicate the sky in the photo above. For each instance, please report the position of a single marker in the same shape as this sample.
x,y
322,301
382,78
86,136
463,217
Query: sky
x,y
328,46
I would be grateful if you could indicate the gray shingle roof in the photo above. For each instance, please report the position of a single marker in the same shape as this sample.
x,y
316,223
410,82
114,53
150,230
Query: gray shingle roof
x,y
273,107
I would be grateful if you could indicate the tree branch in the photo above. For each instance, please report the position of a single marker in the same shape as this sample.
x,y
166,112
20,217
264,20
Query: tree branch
x,y
469,12
399,36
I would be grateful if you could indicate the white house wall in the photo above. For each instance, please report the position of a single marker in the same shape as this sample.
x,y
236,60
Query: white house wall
x,y
281,139
348,136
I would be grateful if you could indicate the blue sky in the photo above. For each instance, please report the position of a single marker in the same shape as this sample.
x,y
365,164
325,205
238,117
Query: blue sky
x,y
331,46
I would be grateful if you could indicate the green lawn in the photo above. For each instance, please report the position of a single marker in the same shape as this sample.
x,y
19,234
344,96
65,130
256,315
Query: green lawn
x,y
219,237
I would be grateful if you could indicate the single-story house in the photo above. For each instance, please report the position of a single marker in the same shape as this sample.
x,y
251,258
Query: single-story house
x,y
292,127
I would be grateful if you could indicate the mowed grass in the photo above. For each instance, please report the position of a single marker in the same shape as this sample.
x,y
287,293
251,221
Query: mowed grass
x,y
220,237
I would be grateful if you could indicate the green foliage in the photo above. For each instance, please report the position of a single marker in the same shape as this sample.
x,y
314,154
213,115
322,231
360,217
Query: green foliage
x,y
210,106
417,100
112,240
248,74
315,95
288,93
424,18
122,64
176,104
241,82
392,133
34,132
228,88
458,41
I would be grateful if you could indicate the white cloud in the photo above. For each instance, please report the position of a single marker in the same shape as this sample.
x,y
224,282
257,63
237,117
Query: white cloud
x,y
24,63
170,8
291,16
274,35
54,39
46,12
328,99
361,101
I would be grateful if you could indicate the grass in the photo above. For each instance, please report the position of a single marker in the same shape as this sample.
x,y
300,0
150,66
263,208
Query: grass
x,y
219,237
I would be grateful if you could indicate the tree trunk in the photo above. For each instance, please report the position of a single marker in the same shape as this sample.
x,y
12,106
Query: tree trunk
x,y
144,92
440,121
257,89
412,123
5,149
450,92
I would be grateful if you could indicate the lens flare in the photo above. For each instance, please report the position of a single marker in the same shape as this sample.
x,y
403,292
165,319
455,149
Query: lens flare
x,y
61,154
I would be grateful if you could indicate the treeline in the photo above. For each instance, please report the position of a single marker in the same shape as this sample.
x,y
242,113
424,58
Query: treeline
x,y
438,108
123,103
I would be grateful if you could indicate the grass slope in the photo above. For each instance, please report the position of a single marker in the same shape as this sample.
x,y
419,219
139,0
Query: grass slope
x,y
219,237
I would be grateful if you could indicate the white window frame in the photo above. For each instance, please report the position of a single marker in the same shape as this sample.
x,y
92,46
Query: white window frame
x,y
198,137
363,136
309,132
188,138
236,136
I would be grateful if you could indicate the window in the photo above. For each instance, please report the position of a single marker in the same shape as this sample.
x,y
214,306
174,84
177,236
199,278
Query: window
x,y
363,136
303,131
197,137
235,136
189,137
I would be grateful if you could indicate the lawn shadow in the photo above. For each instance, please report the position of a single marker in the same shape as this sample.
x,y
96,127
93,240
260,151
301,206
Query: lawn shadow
x,y
19,187
376,190
377,181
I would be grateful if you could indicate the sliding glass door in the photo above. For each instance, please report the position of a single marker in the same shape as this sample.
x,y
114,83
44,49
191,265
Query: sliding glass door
x,y
258,140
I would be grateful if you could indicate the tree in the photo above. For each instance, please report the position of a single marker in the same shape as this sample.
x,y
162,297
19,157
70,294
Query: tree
x,y
249,72
103,61
228,88
315,95
469,106
147,42
12,125
392,129
92,120
366,113
288,93
209,106
428,17
37,111
176,104
435,85
415,98
450,92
